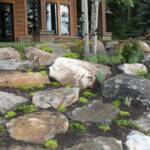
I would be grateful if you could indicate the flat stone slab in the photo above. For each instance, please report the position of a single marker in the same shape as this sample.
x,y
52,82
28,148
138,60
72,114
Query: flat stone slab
x,y
37,127
14,65
18,79
9,53
96,112
9,101
98,143
21,147
56,97
137,141
144,121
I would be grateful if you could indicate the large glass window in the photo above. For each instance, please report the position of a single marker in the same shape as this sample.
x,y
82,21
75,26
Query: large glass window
x,y
64,19
52,17
6,22
33,16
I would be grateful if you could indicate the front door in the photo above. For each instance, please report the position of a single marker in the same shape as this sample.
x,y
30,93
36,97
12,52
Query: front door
x,y
6,22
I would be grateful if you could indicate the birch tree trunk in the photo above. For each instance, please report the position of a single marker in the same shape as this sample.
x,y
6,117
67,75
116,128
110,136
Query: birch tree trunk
x,y
94,24
85,27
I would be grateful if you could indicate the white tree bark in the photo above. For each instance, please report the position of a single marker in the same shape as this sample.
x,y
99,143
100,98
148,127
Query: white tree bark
x,y
94,24
85,27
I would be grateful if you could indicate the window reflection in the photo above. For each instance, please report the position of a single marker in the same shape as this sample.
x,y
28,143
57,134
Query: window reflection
x,y
64,16
52,17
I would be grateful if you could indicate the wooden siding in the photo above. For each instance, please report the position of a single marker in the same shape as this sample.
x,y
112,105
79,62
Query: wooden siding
x,y
19,18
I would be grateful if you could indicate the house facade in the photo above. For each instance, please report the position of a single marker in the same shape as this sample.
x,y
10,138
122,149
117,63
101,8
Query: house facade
x,y
42,20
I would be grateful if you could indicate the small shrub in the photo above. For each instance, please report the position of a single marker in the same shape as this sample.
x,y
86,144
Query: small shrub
x,y
51,144
78,127
117,103
88,94
71,55
104,127
124,113
62,108
83,100
10,114
27,108
141,73
46,48
2,129
131,51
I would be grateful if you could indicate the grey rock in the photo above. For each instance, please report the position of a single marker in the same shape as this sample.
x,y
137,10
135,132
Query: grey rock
x,y
98,143
21,147
56,97
9,101
100,48
9,53
146,61
135,90
144,121
137,141
96,112
13,65
37,127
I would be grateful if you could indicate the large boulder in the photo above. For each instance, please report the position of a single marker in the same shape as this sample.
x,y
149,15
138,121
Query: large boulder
x,y
13,65
137,141
100,48
56,97
133,69
144,46
76,72
132,88
95,112
37,127
10,101
21,80
9,53
144,121
146,61
39,57
98,143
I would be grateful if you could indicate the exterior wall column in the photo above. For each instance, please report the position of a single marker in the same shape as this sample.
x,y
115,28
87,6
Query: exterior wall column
x,y
103,34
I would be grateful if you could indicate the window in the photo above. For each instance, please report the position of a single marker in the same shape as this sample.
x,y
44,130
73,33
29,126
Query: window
x,y
52,17
64,19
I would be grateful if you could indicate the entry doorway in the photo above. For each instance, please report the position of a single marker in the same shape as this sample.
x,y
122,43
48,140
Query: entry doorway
x,y
6,22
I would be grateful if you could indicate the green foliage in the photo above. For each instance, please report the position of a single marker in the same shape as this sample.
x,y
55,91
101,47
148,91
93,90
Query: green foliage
x,y
78,127
104,127
126,123
27,108
10,114
44,73
83,100
2,129
131,51
55,83
51,144
62,108
45,47
88,94
71,55
124,113
141,73
105,59
117,103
